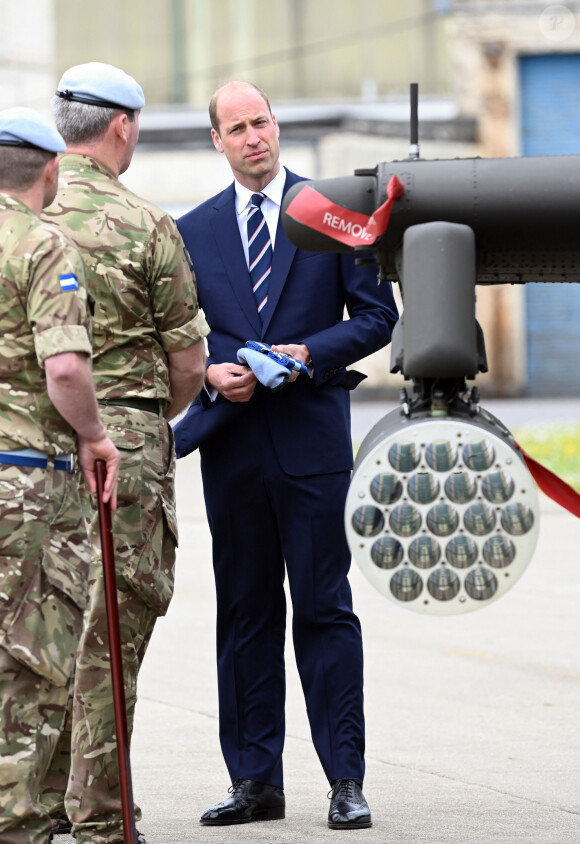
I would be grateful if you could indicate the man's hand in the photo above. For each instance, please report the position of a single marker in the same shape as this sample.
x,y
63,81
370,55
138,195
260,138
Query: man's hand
x,y
89,451
299,351
234,382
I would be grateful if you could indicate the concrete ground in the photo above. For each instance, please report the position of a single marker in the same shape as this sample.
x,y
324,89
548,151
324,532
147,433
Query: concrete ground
x,y
473,721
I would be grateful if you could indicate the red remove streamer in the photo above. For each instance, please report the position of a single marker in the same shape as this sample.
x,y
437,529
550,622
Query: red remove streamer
x,y
553,486
316,211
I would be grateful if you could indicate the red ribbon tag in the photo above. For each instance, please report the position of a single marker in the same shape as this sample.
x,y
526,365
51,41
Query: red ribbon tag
x,y
553,486
316,211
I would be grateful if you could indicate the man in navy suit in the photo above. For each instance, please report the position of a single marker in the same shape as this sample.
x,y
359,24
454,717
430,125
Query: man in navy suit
x,y
276,469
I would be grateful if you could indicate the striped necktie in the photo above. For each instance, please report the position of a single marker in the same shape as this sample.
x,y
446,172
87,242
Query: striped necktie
x,y
259,251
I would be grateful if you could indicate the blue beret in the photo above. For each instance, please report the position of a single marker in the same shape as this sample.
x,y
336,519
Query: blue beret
x,y
100,84
24,127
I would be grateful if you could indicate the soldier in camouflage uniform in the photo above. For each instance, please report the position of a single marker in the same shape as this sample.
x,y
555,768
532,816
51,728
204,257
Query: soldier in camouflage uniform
x,y
148,362
48,409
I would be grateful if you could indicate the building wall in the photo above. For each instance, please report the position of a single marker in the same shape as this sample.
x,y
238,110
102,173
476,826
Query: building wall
x,y
550,125
26,54
485,41
181,50
133,34
484,49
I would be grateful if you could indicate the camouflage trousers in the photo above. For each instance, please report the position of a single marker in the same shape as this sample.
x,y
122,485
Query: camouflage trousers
x,y
85,770
44,563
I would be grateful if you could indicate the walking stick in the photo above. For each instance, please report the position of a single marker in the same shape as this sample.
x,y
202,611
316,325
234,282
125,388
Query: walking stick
x,y
129,832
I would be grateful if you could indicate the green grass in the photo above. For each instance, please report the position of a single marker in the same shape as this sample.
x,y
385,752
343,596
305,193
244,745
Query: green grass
x,y
556,446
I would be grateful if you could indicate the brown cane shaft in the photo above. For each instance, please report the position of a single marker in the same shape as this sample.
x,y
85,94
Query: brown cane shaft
x,y
129,832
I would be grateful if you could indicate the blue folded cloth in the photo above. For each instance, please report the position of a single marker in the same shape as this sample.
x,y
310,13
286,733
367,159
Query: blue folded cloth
x,y
268,371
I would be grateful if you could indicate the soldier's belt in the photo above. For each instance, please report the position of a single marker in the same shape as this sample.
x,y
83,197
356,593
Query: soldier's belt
x,y
148,405
32,457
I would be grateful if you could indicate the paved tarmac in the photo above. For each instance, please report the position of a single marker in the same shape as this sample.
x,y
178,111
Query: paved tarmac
x,y
473,721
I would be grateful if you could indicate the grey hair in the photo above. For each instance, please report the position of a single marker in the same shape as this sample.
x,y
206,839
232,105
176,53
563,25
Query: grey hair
x,y
80,123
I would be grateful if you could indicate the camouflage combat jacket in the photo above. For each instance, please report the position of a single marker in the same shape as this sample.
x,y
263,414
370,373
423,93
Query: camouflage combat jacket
x,y
43,312
145,300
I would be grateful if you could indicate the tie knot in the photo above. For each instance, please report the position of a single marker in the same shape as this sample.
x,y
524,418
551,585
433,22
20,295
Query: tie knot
x,y
257,199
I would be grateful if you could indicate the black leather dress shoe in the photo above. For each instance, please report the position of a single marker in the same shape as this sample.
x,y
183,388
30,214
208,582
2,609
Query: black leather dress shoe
x,y
348,807
249,801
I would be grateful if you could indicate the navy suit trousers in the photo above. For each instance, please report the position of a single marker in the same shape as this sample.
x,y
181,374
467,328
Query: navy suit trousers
x,y
265,522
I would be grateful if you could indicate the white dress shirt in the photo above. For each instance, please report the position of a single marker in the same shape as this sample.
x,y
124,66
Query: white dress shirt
x,y
270,206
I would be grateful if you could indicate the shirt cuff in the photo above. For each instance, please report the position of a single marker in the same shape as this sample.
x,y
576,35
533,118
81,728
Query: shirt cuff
x,y
210,392
180,338
61,339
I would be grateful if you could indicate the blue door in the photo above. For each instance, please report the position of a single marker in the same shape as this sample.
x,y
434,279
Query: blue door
x,y
550,125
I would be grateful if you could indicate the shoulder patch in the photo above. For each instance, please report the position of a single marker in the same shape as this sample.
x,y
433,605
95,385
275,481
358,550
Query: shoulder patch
x,y
69,281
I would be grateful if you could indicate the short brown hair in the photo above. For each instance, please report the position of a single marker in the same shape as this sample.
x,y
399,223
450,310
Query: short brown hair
x,y
21,167
213,103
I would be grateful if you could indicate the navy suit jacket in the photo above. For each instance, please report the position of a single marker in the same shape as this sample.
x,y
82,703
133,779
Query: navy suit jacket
x,y
309,419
